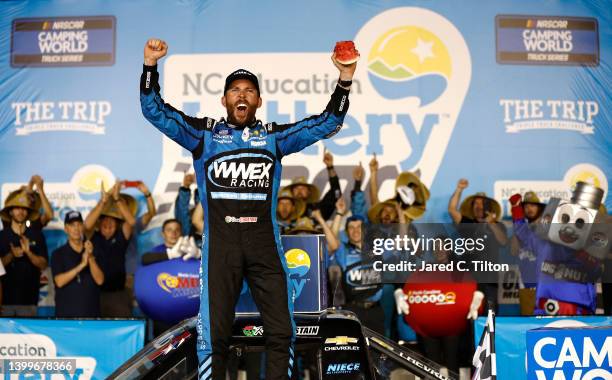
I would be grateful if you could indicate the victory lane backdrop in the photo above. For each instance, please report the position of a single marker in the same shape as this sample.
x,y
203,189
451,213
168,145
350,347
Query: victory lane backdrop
x,y
508,94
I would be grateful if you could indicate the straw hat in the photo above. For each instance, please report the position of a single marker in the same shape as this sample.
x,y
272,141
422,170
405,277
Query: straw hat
x,y
304,224
299,205
111,209
421,194
315,194
466,205
21,198
374,211
532,197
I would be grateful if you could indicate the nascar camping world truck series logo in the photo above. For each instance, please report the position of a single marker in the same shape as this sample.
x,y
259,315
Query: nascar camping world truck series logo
x,y
547,40
63,41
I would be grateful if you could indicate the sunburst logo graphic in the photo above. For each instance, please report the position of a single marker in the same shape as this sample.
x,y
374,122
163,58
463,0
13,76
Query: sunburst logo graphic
x,y
409,61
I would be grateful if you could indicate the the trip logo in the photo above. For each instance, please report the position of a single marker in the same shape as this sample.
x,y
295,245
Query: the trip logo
x,y
63,41
529,114
61,116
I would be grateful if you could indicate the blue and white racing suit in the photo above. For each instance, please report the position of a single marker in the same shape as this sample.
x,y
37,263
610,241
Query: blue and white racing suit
x,y
238,172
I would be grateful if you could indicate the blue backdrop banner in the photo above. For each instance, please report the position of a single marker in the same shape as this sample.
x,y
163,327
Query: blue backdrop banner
x,y
511,339
94,349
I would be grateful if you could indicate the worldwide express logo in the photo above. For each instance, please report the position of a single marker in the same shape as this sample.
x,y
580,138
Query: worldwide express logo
x,y
298,263
238,172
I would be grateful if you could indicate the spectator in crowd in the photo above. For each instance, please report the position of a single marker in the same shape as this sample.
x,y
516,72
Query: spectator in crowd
x,y
182,211
288,210
174,245
310,194
23,252
76,273
362,299
114,217
141,224
479,208
532,208
305,226
36,188
40,202
408,204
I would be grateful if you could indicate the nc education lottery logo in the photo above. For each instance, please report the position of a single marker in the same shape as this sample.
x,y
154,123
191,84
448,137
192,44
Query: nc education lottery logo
x,y
408,90
81,192
37,353
298,263
584,172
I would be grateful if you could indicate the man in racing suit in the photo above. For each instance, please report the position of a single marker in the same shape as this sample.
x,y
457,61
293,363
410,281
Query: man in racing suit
x,y
238,167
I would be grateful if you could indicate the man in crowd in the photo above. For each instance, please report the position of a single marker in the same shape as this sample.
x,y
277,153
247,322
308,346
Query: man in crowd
x,y
174,245
478,208
532,208
288,210
40,202
241,238
23,252
76,273
309,193
114,218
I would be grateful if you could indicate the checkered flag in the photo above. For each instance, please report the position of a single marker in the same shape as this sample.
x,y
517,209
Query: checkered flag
x,y
484,357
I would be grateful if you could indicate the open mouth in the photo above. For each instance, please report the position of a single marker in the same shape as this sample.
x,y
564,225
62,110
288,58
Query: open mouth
x,y
567,238
242,108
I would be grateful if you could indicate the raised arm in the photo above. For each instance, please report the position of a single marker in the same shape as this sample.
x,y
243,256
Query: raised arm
x,y
90,221
129,220
373,181
181,204
294,137
47,215
96,272
187,131
332,241
328,203
453,203
146,217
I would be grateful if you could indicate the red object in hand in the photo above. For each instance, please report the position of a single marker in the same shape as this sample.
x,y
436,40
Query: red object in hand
x,y
517,207
131,183
346,53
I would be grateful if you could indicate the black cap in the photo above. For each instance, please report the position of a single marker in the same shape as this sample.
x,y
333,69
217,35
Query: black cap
x,y
72,216
241,74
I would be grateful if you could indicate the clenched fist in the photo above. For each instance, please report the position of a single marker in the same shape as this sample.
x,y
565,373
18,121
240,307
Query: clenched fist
x,y
154,50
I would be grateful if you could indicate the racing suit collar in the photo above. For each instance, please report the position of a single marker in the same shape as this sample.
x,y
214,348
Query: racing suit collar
x,y
236,127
